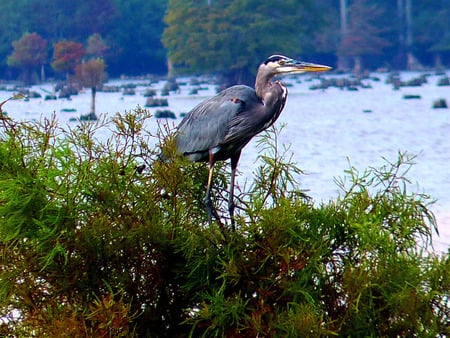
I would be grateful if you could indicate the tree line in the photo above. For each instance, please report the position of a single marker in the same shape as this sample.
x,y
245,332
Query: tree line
x,y
230,37
131,29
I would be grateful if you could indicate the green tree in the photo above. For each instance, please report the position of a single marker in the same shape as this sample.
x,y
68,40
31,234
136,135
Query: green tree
x,y
432,29
91,74
135,37
13,28
71,20
133,29
101,238
29,54
233,37
66,56
96,46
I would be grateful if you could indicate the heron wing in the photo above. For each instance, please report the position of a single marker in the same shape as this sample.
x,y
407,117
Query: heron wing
x,y
257,116
208,125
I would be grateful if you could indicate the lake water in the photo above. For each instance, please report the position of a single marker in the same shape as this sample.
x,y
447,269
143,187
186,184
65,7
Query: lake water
x,y
325,128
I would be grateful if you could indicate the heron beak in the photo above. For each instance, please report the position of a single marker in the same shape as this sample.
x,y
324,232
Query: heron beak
x,y
294,66
313,67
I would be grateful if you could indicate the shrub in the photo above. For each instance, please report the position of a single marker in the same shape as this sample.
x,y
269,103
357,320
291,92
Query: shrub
x,y
105,239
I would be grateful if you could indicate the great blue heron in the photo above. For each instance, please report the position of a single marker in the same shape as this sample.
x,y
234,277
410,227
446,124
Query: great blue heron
x,y
218,128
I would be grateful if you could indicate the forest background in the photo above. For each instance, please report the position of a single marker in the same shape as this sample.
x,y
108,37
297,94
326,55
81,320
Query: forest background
x,y
226,37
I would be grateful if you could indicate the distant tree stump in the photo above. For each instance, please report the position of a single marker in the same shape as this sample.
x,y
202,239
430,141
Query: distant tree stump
x,y
440,103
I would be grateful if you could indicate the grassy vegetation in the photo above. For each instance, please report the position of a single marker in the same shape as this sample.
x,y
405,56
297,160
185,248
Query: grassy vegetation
x,y
102,239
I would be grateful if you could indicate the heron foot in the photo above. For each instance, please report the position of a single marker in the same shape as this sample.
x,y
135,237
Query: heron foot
x,y
212,213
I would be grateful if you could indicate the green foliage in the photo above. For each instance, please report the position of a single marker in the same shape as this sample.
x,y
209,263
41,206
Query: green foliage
x,y
136,37
232,37
103,238
96,46
131,28
434,26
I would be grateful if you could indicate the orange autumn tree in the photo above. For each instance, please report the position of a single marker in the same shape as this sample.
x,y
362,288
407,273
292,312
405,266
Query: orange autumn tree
x,y
364,36
29,53
66,56
91,74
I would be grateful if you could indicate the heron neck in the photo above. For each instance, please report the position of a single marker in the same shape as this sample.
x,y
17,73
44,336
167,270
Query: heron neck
x,y
273,95
262,85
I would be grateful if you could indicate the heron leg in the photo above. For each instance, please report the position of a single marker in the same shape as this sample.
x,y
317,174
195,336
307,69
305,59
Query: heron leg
x,y
208,203
231,205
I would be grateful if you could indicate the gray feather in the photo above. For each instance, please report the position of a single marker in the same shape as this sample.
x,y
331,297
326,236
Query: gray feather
x,y
216,122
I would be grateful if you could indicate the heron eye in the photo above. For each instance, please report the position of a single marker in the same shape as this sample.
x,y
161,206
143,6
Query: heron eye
x,y
281,62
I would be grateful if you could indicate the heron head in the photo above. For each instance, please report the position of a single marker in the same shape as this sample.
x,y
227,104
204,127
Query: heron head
x,y
280,64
